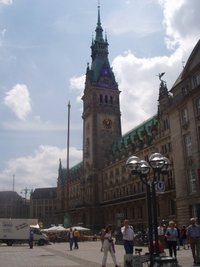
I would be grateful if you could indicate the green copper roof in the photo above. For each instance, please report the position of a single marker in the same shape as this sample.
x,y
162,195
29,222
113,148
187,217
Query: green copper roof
x,y
77,167
145,126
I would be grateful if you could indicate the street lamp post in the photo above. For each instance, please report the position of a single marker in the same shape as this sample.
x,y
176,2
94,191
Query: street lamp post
x,y
158,164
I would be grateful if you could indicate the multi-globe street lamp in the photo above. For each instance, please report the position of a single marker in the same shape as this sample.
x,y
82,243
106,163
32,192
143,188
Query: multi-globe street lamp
x,y
149,173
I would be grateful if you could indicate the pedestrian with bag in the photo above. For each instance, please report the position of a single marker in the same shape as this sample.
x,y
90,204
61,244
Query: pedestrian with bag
x,y
76,235
108,246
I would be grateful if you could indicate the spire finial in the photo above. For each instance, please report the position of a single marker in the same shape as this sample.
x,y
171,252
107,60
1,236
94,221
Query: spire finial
x,y
99,19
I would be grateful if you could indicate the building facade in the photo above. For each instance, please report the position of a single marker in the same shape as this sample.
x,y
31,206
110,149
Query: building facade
x,y
185,133
13,205
43,206
98,190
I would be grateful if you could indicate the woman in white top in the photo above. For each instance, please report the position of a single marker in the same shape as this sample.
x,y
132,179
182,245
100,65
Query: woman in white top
x,y
108,245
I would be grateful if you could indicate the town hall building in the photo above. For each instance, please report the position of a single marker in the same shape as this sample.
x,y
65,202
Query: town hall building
x,y
99,190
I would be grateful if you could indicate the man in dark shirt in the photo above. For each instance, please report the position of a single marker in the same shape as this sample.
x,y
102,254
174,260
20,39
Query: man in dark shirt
x,y
31,238
193,236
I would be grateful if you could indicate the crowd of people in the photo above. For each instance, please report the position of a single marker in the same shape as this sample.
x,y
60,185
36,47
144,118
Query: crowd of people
x,y
170,237
73,237
173,237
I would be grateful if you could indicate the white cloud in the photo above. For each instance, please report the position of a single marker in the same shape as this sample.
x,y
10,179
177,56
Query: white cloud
x,y
2,35
78,83
140,86
38,170
6,2
34,125
128,20
18,100
182,22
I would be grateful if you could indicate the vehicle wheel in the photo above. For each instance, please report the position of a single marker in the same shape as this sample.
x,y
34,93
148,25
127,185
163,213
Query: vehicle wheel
x,y
9,243
41,242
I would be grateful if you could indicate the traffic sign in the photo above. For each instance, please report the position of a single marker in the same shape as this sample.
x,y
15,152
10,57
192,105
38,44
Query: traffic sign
x,y
160,186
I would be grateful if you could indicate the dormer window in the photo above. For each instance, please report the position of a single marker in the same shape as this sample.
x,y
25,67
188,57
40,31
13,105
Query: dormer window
x,y
198,106
184,117
188,145
196,79
185,90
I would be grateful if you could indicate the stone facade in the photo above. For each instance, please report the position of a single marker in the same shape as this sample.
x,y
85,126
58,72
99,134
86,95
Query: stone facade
x,y
43,206
185,126
13,205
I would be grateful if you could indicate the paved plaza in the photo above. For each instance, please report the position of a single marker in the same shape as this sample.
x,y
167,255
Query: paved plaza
x,y
59,255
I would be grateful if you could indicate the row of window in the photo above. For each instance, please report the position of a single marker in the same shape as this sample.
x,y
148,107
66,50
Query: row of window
x,y
105,99
195,81
131,189
42,209
187,138
75,193
166,148
185,115
138,211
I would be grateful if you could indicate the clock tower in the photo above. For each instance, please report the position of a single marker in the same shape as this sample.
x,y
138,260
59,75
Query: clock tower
x,y
101,106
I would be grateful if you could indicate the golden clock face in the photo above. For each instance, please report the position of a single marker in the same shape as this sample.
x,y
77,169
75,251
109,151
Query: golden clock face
x,y
107,123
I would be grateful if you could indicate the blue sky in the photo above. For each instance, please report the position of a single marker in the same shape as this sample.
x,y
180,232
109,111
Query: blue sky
x,y
44,50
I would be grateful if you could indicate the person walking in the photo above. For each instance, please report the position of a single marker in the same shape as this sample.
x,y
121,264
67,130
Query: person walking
x,y
108,245
171,236
183,236
101,233
179,237
193,236
31,238
128,237
161,234
76,235
70,238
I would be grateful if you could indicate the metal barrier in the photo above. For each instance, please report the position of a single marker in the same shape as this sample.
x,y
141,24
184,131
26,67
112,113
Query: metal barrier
x,y
139,261
135,260
165,260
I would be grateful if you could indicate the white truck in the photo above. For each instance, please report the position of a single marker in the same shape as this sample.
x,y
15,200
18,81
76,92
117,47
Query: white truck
x,y
17,231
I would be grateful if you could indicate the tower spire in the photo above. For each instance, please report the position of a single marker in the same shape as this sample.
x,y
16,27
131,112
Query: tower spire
x,y
99,17
100,66
99,30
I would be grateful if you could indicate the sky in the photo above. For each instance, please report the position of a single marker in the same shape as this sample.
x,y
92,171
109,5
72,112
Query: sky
x,y
44,50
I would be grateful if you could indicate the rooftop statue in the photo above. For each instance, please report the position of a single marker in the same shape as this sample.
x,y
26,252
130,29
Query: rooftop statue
x,y
160,76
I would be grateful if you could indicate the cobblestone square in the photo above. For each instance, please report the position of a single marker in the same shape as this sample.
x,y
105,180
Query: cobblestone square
x,y
59,255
